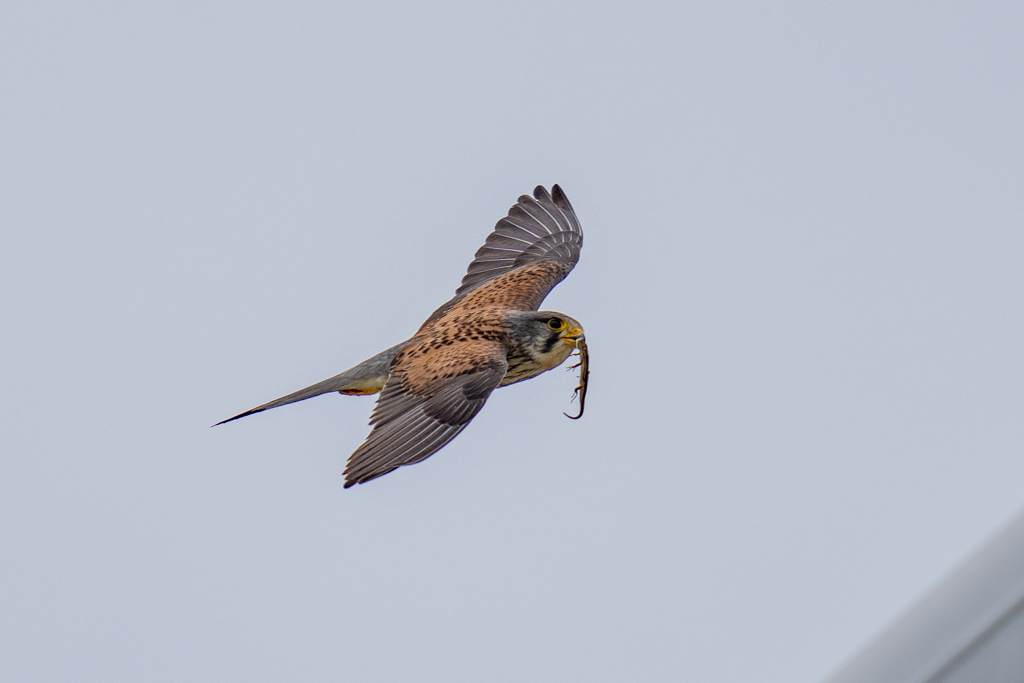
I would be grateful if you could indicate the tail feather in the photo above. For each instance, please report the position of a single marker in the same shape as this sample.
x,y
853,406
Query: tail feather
x,y
366,378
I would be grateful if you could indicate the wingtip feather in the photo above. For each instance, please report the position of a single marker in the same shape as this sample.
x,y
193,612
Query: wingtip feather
x,y
558,195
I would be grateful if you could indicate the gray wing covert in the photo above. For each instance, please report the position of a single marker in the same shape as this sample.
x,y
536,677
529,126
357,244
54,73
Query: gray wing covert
x,y
543,227
410,427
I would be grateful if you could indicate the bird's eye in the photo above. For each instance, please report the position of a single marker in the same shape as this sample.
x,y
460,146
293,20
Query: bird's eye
x,y
556,324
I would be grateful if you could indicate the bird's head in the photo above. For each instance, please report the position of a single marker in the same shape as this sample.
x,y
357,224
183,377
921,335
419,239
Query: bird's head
x,y
546,336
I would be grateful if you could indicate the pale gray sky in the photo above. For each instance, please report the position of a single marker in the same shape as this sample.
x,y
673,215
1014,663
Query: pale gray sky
x,y
802,287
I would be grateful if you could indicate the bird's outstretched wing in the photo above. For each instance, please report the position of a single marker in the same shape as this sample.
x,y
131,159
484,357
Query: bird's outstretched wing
x,y
542,229
538,228
431,396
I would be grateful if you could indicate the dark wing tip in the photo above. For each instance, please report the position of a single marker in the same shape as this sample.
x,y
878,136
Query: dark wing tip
x,y
351,479
561,201
540,193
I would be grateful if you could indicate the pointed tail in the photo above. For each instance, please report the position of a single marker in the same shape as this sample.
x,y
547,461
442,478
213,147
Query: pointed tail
x,y
366,378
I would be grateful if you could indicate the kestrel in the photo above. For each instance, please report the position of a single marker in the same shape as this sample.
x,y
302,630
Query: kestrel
x,y
489,335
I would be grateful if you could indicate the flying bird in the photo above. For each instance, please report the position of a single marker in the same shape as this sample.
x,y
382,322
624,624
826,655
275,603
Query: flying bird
x,y
489,335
